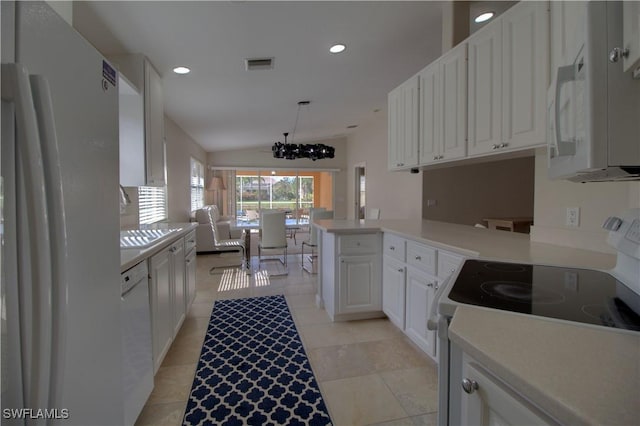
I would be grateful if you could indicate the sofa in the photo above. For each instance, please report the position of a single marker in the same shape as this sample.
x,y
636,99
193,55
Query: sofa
x,y
204,235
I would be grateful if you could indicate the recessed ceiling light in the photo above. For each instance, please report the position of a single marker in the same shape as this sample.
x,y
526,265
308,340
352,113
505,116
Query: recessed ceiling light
x,y
337,48
484,17
352,126
181,70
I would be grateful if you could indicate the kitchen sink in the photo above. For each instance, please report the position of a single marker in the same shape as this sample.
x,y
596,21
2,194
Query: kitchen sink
x,y
140,238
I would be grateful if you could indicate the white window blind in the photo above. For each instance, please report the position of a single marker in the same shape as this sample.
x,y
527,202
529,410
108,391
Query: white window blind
x,y
197,184
153,204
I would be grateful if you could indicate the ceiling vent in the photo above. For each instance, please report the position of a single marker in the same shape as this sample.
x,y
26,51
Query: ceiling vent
x,y
258,64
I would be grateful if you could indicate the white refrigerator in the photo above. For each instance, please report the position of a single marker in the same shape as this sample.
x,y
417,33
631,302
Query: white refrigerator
x,y
60,257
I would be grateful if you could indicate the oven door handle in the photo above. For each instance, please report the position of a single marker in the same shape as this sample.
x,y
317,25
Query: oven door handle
x,y
432,322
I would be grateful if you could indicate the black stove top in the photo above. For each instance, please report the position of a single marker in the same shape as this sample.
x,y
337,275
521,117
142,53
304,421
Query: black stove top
x,y
579,295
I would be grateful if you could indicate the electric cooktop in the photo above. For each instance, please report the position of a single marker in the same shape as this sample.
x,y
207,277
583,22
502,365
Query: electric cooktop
x,y
571,294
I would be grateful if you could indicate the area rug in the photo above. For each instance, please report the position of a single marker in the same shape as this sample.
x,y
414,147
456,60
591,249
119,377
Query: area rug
x,y
253,369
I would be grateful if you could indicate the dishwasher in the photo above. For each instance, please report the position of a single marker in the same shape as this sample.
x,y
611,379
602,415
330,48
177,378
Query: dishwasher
x,y
137,355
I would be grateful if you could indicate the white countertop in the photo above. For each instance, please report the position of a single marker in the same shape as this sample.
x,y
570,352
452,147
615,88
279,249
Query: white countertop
x,y
578,374
130,257
475,242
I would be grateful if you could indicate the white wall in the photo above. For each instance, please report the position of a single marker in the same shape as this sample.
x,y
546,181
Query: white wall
x,y
597,201
63,8
180,148
398,195
263,158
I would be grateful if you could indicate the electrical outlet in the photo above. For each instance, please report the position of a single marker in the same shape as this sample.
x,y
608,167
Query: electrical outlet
x,y
432,203
573,217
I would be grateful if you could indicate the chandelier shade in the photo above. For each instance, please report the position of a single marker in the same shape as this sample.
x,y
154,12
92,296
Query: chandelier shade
x,y
292,151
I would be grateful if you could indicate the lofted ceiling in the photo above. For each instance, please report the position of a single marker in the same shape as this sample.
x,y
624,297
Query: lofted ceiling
x,y
222,106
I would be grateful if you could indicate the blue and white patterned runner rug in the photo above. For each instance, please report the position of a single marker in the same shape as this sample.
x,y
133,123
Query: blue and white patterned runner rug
x,y
253,369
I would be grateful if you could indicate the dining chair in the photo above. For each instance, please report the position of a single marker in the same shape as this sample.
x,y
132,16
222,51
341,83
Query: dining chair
x,y
221,243
273,236
313,238
373,214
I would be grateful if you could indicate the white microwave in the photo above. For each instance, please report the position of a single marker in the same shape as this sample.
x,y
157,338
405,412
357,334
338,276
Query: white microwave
x,y
593,107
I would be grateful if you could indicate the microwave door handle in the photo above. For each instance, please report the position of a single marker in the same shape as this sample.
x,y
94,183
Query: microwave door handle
x,y
566,74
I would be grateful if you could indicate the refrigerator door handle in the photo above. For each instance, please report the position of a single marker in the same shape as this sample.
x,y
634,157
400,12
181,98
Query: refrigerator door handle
x,y
37,350
58,229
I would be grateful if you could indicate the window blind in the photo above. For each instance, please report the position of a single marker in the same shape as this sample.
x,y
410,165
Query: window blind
x,y
197,184
152,202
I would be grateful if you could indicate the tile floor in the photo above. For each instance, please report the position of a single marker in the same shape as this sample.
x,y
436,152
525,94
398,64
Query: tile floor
x,y
369,372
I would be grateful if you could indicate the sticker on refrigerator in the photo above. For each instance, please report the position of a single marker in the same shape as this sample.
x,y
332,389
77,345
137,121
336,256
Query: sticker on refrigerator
x,y
109,73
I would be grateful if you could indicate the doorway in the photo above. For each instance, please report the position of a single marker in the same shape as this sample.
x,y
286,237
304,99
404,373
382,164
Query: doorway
x,y
360,185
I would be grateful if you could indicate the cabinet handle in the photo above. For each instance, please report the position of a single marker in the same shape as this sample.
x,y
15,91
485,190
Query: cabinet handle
x,y
435,157
401,270
494,146
440,157
430,285
469,386
392,248
358,243
418,258
503,145
618,52
173,249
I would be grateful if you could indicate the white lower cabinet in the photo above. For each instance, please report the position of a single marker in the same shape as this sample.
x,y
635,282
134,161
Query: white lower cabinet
x,y
421,288
486,400
167,295
351,276
393,290
411,274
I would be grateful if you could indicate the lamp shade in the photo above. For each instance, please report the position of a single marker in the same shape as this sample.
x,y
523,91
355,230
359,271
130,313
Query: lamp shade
x,y
215,184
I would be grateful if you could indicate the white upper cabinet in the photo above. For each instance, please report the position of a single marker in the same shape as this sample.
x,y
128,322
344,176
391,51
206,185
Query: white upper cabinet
x,y
143,163
403,125
525,65
443,107
485,89
631,33
508,80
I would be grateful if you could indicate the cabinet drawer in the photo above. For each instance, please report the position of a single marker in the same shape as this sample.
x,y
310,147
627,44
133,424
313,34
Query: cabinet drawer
x,y
358,244
448,263
422,257
394,246
190,241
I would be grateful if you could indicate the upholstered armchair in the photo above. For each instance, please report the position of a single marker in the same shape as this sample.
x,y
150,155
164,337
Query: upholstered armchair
x,y
204,236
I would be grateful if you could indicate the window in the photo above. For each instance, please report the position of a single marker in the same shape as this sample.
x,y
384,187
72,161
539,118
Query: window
x,y
153,204
197,185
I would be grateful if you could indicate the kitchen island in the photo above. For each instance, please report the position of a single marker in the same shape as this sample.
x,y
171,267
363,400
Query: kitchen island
x,y
566,373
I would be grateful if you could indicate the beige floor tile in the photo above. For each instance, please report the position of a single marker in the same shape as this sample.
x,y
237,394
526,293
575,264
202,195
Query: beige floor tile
x,y
205,295
416,389
200,310
374,329
185,349
194,326
339,362
310,315
320,335
162,414
172,384
426,420
301,301
393,354
360,401
407,421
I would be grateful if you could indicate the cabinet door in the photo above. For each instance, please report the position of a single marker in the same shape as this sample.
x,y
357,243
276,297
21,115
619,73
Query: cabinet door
x,y
419,298
178,285
359,284
190,276
566,32
453,103
485,89
631,33
525,71
393,290
403,125
492,403
154,127
429,114
161,311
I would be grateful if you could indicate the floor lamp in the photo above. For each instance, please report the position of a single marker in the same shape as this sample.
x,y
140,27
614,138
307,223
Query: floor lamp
x,y
216,184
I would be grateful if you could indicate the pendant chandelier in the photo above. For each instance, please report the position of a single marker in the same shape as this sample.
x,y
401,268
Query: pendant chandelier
x,y
292,151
